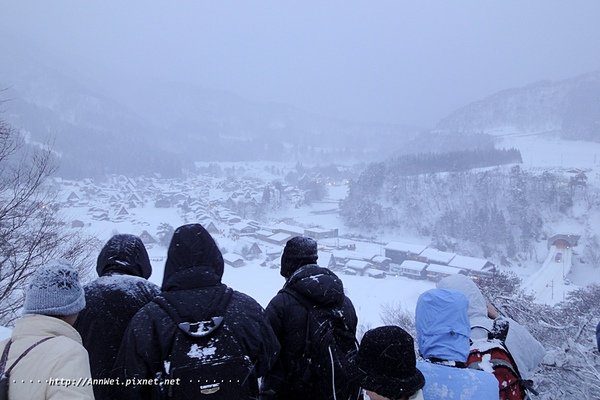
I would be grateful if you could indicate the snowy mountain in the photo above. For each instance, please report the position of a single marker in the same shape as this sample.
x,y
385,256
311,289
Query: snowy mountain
x,y
225,126
569,107
90,132
130,127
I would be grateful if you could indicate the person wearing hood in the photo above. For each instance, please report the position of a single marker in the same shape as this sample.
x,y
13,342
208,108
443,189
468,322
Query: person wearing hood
x,y
191,288
307,286
387,362
598,336
44,358
442,327
525,350
112,300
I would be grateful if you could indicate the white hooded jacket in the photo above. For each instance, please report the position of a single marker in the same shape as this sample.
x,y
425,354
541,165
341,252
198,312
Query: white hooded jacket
x,y
57,369
523,347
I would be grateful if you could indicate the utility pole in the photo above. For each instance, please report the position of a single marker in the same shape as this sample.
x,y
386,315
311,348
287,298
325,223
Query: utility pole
x,y
551,284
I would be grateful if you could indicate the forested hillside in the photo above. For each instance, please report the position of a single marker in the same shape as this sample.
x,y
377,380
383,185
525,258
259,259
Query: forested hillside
x,y
494,212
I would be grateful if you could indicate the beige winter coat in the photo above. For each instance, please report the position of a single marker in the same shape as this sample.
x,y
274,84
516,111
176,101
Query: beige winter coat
x,y
57,369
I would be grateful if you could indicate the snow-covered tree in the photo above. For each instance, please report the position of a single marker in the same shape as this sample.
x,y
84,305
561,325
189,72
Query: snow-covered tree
x,y
31,231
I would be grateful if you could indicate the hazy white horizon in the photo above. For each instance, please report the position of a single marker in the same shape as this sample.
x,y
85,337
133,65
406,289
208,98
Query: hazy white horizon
x,y
398,62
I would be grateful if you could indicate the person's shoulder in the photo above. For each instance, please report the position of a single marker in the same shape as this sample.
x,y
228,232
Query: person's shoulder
x,y
148,311
65,347
246,300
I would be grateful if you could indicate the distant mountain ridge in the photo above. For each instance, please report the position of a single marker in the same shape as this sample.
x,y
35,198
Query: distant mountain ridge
x,y
570,108
163,127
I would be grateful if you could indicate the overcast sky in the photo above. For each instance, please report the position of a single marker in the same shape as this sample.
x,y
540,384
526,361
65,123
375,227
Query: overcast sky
x,y
390,61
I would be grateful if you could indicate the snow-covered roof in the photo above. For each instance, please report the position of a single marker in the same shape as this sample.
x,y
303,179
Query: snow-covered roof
x,y
357,264
232,257
318,230
242,225
380,259
405,247
281,236
437,256
413,265
470,263
443,269
289,228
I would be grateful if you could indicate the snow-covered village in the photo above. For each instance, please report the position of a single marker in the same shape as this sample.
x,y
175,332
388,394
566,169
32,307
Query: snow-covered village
x,y
282,200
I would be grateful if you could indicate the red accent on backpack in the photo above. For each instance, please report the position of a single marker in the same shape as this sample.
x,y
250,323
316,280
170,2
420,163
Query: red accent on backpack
x,y
492,357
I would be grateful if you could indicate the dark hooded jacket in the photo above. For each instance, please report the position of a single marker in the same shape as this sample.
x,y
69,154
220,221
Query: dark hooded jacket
x,y
598,336
288,317
112,300
192,280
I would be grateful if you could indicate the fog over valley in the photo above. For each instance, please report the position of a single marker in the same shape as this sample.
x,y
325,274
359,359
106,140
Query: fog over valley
x,y
414,141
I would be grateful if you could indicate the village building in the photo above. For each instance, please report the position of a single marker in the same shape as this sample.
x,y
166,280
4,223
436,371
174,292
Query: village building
x,y
437,256
234,260
147,238
289,229
381,262
73,198
272,253
410,268
435,272
261,234
374,273
473,265
398,251
359,266
211,228
242,228
320,233
248,250
280,238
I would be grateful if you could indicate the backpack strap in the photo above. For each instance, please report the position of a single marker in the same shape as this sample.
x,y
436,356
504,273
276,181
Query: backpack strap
x,y
4,357
308,306
198,328
9,370
301,299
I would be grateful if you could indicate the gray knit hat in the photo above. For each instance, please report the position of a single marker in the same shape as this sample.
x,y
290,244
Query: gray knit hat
x,y
54,289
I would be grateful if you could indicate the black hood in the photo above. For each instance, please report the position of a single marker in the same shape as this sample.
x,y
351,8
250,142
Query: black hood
x,y
124,254
319,285
193,260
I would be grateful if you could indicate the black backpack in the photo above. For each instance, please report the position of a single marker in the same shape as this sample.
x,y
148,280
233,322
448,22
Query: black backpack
x,y
327,368
205,358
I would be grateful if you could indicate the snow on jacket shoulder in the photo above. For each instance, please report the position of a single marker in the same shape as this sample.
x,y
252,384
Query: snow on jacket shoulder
x,y
288,317
443,382
112,301
61,357
523,347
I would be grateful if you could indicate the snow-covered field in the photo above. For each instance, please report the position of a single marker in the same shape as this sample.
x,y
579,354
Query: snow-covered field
x,y
262,283
369,294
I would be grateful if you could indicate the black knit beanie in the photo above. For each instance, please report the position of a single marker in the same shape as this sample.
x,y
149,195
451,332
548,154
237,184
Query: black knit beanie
x,y
298,251
386,358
